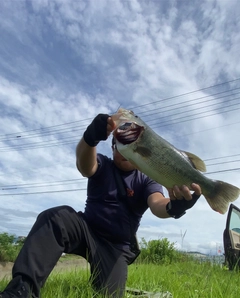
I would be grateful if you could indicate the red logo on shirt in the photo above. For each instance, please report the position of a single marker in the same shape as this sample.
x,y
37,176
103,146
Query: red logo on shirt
x,y
130,192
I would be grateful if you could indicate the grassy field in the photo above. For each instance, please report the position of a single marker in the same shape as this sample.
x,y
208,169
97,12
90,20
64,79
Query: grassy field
x,y
184,280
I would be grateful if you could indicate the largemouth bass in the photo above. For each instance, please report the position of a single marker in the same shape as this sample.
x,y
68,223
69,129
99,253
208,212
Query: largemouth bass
x,y
162,162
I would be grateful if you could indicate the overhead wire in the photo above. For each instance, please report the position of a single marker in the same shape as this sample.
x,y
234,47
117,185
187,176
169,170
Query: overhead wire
x,y
44,128
223,171
182,119
162,108
81,189
42,192
175,105
212,128
77,180
192,115
163,123
187,93
151,103
47,130
177,112
221,157
222,162
42,184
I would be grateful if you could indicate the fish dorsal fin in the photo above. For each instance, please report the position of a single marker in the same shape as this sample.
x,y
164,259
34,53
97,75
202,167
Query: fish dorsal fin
x,y
195,161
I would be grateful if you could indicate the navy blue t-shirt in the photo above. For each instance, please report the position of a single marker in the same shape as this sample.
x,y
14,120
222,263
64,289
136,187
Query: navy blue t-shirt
x,y
105,213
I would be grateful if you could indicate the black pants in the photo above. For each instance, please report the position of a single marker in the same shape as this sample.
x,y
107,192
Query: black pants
x,y
62,229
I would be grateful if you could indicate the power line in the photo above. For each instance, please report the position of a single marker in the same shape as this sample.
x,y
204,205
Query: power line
x,y
234,155
45,128
194,109
43,184
222,171
136,107
32,146
81,189
163,123
174,105
220,126
70,181
36,169
47,133
77,128
187,93
47,167
222,162
41,192
39,143
186,119
73,141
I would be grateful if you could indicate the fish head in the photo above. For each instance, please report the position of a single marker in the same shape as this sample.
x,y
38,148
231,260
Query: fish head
x,y
129,127
122,116
127,133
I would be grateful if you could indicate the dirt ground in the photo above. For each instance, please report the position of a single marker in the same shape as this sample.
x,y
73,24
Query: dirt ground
x,y
62,265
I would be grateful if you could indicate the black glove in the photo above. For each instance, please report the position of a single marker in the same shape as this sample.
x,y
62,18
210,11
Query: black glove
x,y
97,130
177,208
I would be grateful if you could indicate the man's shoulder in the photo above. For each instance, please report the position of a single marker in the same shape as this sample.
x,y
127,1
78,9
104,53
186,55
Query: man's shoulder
x,y
147,181
103,158
104,165
142,176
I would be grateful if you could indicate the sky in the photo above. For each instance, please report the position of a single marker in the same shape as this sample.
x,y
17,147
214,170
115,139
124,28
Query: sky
x,y
174,63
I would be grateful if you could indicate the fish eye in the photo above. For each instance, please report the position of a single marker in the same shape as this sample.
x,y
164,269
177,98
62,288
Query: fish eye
x,y
131,112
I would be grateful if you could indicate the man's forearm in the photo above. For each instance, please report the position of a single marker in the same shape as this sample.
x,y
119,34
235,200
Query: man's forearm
x,y
86,153
86,159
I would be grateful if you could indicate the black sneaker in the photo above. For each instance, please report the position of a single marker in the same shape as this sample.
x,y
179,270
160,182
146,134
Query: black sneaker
x,y
16,289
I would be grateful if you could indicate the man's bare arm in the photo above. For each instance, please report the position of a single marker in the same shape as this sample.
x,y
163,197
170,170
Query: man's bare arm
x,y
86,158
86,153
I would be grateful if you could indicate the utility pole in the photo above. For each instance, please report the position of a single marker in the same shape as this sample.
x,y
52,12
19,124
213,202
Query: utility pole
x,y
182,237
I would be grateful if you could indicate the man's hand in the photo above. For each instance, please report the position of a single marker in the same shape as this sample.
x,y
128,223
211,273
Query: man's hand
x,y
181,199
110,126
100,128
86,158
183,192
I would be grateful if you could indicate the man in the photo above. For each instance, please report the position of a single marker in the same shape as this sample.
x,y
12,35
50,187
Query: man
x,y
102,234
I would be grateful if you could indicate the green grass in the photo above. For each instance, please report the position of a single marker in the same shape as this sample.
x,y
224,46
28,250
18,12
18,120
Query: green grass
x,y
188,279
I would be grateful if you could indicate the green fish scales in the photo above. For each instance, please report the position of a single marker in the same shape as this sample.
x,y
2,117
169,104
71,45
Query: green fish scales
x,y
165,164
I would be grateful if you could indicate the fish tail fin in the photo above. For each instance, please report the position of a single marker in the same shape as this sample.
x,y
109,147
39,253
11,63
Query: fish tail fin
x,y
223,194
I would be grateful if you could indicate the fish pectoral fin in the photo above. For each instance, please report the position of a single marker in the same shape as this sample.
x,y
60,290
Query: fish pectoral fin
x,y
195,161
143,151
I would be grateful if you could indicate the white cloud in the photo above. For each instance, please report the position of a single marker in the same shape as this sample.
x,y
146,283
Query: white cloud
x,y
63,62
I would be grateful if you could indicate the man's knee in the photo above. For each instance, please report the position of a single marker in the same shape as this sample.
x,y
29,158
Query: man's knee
x,y
55,212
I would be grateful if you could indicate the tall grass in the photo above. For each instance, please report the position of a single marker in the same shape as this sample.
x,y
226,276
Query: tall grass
x,y
188,279
159,268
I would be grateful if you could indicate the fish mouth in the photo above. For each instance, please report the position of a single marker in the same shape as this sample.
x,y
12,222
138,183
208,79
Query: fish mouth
x,y
128,132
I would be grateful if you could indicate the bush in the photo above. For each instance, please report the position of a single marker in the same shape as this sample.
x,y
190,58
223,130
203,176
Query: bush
x,y
8,248
160,251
